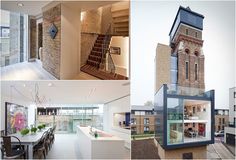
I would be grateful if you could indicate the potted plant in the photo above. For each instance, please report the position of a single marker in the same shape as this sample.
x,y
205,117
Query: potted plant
x,y
24,132
33,130
43,125
40,127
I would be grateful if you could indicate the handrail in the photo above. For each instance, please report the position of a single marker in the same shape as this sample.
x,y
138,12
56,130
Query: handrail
x,y
111,65
106,51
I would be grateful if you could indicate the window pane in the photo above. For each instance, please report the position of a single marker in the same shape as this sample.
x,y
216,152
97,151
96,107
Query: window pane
x,y
13,34
174,121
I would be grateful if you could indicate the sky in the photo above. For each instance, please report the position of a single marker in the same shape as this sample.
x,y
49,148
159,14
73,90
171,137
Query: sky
x,y
151,22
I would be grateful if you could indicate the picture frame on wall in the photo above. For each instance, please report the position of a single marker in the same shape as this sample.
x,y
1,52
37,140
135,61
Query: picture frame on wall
x,y
16,117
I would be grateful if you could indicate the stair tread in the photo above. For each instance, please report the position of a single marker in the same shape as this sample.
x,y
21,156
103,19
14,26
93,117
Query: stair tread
x,y
102,74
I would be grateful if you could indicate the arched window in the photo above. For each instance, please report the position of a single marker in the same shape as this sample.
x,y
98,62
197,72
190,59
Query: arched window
x,y
196,53
187,51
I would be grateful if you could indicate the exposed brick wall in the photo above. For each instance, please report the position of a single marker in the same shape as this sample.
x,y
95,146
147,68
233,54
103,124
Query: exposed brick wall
x,y
219,122
106,19
33,38
52,47
140,123
198,152
191,32
192,60
91,22
162,74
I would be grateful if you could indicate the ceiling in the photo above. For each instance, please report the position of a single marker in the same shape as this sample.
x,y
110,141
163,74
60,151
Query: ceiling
x,y
66,92
34,8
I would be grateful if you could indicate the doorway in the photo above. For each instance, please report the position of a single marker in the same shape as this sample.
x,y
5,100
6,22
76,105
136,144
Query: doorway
x,y
40,40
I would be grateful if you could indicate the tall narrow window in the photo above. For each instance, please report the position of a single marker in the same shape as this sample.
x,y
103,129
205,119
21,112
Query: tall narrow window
x,y
186,70
186,31
196,34
196,71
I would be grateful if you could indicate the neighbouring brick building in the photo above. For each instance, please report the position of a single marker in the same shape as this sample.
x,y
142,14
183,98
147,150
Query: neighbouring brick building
x,y
229,134
221,119
142,120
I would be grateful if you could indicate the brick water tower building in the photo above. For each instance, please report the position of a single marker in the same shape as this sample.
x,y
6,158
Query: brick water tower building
x,y
184,111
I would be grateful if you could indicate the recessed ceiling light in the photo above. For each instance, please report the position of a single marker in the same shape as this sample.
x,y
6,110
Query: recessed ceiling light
x,y
20,4
24,85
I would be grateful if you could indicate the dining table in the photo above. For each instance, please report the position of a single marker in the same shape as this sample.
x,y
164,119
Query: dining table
x,y
29,140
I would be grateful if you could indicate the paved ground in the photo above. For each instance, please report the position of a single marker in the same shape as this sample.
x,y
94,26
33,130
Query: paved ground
x,y
144,149
218,151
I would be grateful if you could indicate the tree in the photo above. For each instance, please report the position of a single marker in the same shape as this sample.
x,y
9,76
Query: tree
x,y
148,103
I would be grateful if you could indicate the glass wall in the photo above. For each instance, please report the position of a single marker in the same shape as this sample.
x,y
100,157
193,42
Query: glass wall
x,y
159,114
174,121
67,119
188,121
197,120
13,37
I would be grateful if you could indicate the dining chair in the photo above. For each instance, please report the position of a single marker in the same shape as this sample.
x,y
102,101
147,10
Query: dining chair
x,y
8,152
40,148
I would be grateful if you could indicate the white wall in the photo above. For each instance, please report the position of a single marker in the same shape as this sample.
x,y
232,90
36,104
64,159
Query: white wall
x,y
121,61
117,106
70,40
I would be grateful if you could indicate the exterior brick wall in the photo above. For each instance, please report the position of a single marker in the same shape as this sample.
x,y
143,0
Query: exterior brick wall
x,y
52,47
197,152
162,74
183,57
219,125
139,126
191,32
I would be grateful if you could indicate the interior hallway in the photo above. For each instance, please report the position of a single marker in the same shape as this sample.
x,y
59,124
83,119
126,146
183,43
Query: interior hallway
x,y
34,71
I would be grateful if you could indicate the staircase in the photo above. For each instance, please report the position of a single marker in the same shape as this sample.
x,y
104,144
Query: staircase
x,y
120,16
100,46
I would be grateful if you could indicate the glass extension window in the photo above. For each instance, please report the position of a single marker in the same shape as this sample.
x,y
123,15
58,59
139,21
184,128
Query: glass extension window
x,y
174,121
188,121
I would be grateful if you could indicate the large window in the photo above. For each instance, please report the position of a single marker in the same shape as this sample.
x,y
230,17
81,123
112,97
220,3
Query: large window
x,y
13,37
159,120
146,121
188,121
174,121
67,119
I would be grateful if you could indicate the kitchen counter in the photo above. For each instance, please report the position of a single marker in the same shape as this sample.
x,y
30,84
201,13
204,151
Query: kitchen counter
x,y
105,146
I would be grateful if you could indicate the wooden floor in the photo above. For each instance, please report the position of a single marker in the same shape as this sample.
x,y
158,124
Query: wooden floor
x,y
101,74
34,71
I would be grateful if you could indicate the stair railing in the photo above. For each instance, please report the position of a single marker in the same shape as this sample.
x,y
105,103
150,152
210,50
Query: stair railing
x,y
107,62
110,63
105,42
